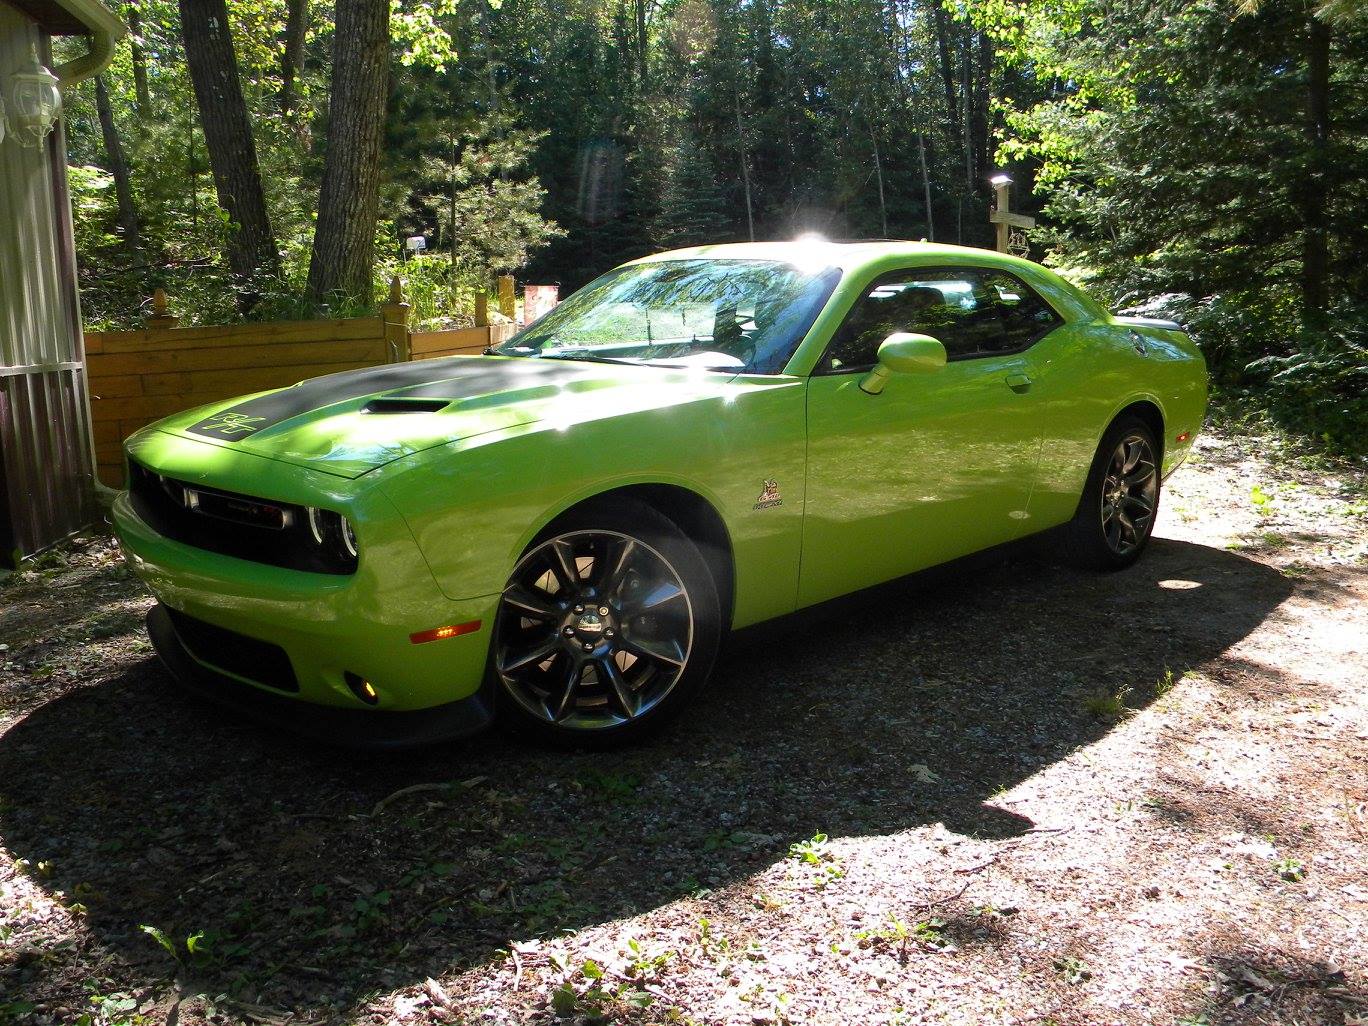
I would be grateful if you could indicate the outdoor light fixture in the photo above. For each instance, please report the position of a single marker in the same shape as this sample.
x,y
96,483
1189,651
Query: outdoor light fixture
x,y
998,180
34,103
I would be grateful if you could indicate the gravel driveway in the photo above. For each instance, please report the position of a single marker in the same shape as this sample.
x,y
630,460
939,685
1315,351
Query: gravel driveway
x,y
1009,793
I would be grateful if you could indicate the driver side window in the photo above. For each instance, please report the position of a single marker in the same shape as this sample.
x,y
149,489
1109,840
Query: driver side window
x,y
972,311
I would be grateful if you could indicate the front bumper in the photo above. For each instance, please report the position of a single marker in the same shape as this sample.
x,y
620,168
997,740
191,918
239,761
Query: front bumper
x,y
328,627
351,728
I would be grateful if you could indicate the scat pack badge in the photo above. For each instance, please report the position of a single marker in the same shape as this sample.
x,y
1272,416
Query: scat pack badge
x,y
769,496
230,424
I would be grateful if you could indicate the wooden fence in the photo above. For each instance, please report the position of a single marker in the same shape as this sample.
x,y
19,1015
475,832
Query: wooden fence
x,y
137,377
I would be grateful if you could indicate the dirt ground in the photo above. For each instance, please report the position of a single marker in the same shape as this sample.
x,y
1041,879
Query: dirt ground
x,y
1011,793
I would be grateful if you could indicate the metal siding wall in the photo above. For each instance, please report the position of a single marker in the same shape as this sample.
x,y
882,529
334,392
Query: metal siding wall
x,y
45,461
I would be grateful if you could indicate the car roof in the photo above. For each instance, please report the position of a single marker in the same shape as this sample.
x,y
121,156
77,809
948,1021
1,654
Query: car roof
x,y
849,255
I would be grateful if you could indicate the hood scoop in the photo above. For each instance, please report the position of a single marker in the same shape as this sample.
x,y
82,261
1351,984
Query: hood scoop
x,y
405,404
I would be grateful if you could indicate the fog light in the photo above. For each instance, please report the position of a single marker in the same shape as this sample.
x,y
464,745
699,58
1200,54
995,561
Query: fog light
x,y
361,688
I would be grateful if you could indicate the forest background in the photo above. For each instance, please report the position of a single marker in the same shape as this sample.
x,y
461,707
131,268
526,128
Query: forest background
x,y
1207,161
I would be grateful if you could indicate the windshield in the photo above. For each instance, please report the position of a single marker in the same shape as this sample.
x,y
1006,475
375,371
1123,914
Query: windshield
x,y
742,316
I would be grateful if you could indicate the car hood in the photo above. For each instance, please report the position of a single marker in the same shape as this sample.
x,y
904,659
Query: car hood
x,y
351,423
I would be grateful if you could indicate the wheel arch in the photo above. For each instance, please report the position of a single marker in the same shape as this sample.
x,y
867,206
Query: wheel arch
x,y
1147,408
691,511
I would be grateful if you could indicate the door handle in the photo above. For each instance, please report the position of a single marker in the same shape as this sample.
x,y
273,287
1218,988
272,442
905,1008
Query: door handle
x,y
1018,382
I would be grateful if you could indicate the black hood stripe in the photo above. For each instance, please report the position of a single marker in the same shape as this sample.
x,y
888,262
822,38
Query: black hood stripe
x,y
451,378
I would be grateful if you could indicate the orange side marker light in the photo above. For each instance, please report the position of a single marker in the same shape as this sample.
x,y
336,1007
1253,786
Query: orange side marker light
x,y
454,630
1184,436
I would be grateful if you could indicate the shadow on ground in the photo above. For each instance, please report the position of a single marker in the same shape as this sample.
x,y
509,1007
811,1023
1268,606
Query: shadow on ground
x,y
150,808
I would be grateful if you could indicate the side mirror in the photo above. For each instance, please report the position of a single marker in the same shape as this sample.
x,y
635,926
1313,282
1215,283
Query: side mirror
x,y
904,352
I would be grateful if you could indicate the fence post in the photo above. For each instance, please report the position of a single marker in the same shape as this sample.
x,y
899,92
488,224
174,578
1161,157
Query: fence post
x,y
507,303
160,317
481,310
394,320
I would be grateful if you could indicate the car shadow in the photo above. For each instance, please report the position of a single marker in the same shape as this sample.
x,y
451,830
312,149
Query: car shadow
x,y
318,877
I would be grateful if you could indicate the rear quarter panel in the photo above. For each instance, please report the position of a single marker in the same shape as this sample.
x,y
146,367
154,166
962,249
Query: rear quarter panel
x,y
1088,373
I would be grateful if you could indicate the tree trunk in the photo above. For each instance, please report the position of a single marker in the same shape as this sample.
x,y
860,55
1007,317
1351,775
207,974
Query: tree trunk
x,y
1315,244
343,259
118,166
878,176
947,71
983,87
745,163
641,43
296,29
911,104
139,57
228,137
967,92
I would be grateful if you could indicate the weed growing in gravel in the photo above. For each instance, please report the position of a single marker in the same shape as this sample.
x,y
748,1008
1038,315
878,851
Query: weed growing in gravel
x,y
928,933
617,786
1261,500
1074,970
1290,869
816,852
1107,705
1165,683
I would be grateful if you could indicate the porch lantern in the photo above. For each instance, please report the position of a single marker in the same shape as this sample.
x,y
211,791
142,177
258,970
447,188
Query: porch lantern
x,y
34,102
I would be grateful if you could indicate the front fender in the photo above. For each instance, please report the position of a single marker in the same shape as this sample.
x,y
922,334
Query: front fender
x,y
475,505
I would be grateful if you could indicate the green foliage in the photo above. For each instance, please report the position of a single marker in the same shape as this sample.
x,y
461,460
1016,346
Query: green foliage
x,y
1168,143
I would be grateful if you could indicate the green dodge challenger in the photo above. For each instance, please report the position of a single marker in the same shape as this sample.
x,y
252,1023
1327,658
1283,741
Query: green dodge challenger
x,y
560,532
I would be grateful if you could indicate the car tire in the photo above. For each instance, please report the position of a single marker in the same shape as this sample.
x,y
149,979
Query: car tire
x,y
1120,501
595,619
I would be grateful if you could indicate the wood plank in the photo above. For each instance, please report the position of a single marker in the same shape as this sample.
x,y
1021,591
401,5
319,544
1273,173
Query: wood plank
x,y
215,336
149,407
106,431
115,386
1015,220
238,381
277,355
424,342
437,354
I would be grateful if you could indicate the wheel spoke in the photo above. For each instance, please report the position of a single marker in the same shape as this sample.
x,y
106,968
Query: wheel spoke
x,y
1130,452
618,688
563,564
615,566
656,595
532,603
657,650
1138,502
562,705
1139,477
528,655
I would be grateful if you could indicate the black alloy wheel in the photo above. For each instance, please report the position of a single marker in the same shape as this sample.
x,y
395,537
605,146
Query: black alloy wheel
x,y
605,630
1120,500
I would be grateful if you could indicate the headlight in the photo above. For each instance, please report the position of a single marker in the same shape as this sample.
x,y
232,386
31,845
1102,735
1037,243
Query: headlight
x,y
333,534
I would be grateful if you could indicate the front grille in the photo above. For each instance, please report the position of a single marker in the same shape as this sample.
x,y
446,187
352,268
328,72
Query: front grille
x,y
250,658
243,526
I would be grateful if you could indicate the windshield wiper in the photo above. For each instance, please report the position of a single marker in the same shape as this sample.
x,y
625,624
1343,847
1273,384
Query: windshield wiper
x,y
579,354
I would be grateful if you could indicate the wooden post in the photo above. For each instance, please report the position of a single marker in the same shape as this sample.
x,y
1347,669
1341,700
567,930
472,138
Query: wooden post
x,y
1002,193
1004,220
160,317
508,305
481,310
394,321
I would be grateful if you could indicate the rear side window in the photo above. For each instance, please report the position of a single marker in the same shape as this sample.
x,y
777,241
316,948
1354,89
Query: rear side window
x,y
974,312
